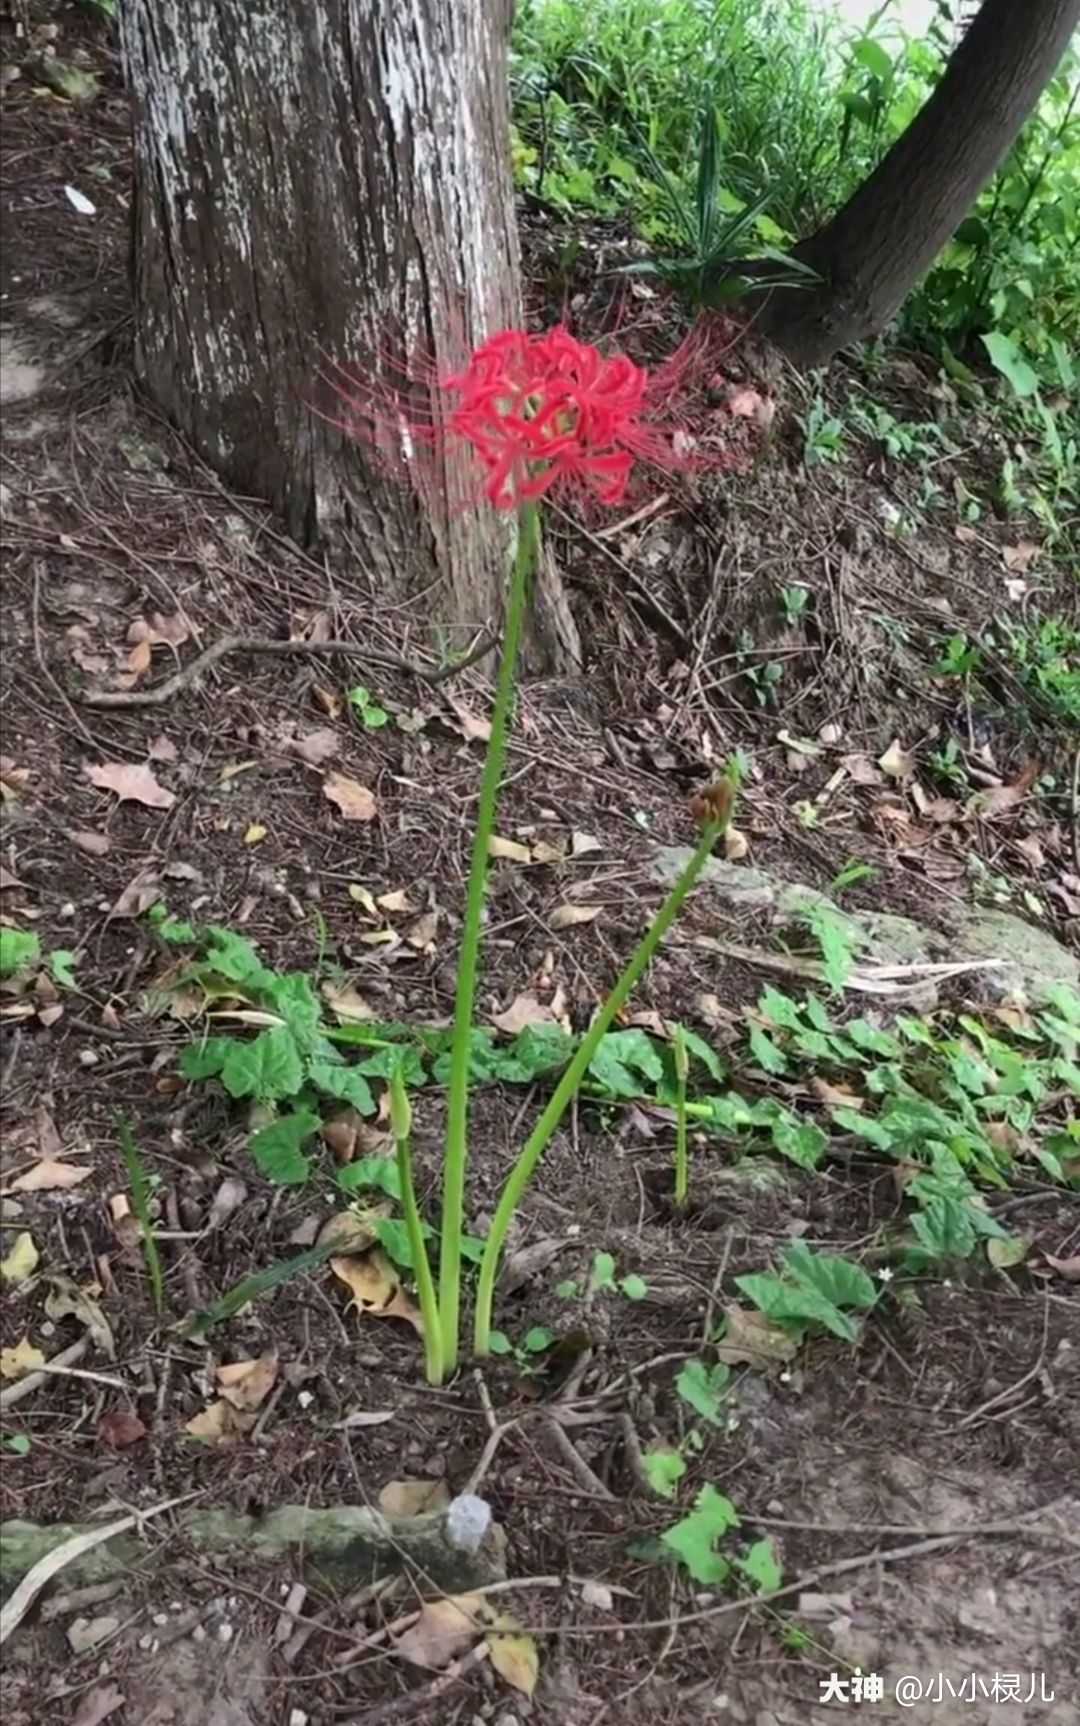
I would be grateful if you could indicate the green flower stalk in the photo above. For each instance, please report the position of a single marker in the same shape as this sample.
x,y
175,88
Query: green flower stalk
x,y
682,1073
717,814
457,1129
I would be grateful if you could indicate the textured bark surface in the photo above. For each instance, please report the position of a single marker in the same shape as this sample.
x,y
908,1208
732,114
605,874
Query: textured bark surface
x,y
324,181
886,237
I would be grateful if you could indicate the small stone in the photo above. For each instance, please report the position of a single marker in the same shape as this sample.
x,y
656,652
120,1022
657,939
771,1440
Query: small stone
x,y
88,1057
198,1634
160,1618
297,1717
225,1632
67,909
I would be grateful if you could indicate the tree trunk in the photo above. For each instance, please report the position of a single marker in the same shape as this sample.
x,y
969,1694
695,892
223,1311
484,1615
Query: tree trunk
x,y
323,182
885,238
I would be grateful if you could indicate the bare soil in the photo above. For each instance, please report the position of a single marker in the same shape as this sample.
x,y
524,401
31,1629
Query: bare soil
x,y
959,1411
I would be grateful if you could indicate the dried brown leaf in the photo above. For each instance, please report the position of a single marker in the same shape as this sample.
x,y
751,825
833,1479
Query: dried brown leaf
x,y
94,844
568,916
897,762
509,850
750,1338
317,746
246,1384
7,879
1068,1268
162,749
67,1300
138,896
397,901
375,1288
513,1654
220,1424
120,1428
413,1497
1017,558
999,799
523,1010
354,800
20,1358
472,726
861,769
132,783
346,1003
422,933
736,845
49,1176
582,843
98,1704
443,1629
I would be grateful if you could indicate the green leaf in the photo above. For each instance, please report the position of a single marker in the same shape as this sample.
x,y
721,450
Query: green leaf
x,y
535,1052
1010,362
536,1340
19,948
235,958
704,1052
790,1303
818,1014
602,1275
866,1036
484,1058
945,1229
205,1060
406,1058
800,1141
780,1009
176,931
762,1567
837,937
864,1127
294,999
874,57
276,1148
664,1468
837,1279
704,1388
17,1443
345,1083
254,1286
634,1287
393,1235
1004,1254
621,1058
61,963
765,1052
268,1069
692,1540
499,1342
379,1173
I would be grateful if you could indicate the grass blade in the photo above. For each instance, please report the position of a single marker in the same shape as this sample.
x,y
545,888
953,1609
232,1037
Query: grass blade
x,y
140,1204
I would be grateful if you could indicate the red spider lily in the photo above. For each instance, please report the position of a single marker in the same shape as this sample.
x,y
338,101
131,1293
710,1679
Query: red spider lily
x,y
538,412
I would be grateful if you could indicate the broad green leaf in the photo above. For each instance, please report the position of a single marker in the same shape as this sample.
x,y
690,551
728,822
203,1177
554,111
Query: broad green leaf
x,y
61,964
664,1468
780,1010
864,1127
293,997
393,1235
762,1566
867,1036
345,1083
765,1052
622,1059
499,1342
693,1539
536,1340
276,1148
406,1057
236,958
380,1173
837,1279
837,937
177,931
800,1141
874,57
634,1287
205,1060
534,1053
704,1388
19,948
818,1013
1004,1254
1010,362
945,1229
269,1068
705,1053
484,1059
794,1303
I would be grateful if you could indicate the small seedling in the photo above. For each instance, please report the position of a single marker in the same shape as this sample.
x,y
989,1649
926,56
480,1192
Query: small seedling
x,y
140,1204
371,716
16,1442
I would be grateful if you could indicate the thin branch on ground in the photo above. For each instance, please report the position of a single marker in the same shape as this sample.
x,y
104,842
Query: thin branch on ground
x,y
261,644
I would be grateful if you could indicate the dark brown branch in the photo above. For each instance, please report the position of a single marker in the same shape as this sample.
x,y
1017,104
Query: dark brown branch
x,y
190,673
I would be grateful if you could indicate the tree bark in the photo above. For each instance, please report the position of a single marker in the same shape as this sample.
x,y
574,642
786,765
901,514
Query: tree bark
x,y
885,238
324,182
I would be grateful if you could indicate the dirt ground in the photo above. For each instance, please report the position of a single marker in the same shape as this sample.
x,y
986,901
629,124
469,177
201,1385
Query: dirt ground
x,y
953,1426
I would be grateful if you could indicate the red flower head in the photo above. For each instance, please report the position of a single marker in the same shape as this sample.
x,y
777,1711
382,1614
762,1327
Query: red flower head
x,y
538,412
547,410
